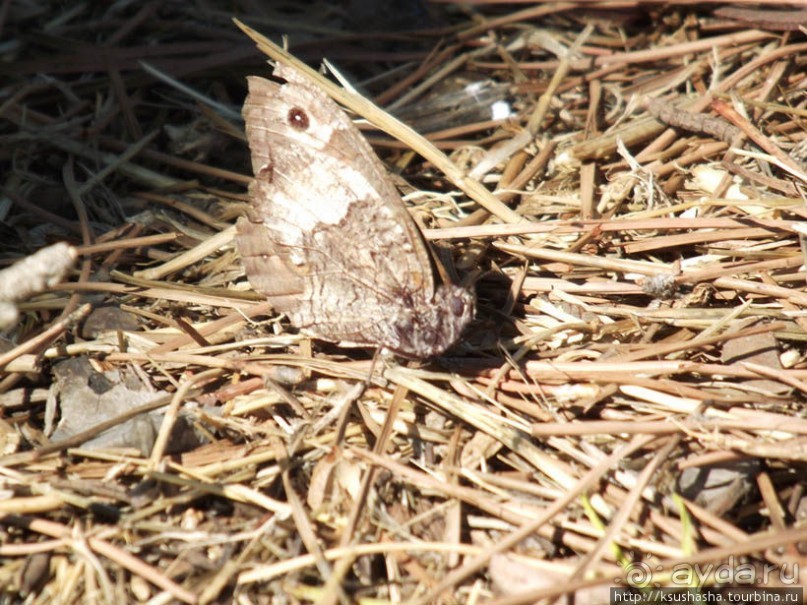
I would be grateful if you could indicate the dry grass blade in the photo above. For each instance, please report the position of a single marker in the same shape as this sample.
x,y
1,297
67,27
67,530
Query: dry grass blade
x,y
397,129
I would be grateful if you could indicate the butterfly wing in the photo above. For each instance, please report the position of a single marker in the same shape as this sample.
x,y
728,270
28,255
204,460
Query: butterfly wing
x,y
327,239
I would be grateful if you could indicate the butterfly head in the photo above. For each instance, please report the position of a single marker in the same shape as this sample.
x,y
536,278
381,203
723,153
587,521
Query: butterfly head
x,y
426,328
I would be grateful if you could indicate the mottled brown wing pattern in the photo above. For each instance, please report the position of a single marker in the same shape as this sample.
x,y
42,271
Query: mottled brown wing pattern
x,y
327,239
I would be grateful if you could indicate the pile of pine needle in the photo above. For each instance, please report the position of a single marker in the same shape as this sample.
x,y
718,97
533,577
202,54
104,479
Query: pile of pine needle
x,y
622,185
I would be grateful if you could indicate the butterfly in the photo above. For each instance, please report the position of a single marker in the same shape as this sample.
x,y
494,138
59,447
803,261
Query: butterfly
x,y
327,238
